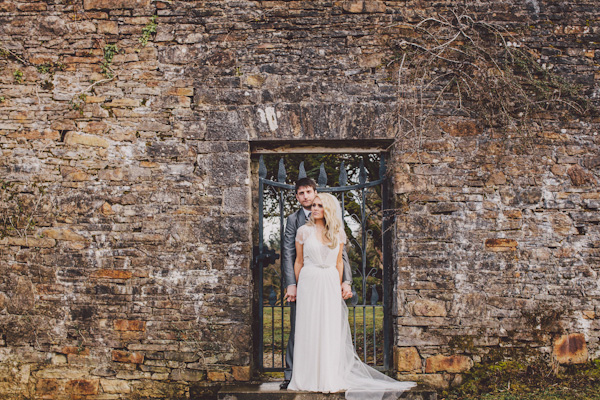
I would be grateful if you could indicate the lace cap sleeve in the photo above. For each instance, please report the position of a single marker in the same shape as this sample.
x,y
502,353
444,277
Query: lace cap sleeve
x,y
342,237
302,234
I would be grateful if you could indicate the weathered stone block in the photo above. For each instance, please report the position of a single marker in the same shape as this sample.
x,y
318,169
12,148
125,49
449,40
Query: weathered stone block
x,y
187,375
31,7
241,373
496,178
587,314
82,386
173,102
373,6
562,224
46,134
61,373
114,4
109,27
580,177
255,80
182,356
63,234
443,208
106,209
179,91
501,244
591,162
113,174
120,275
371,60
407,359
46,388
429,308
75,350
115,386
58,359
123,103
74,138
129,325
127,357
53,24
436,381
73,174
571,349
225,125
236,200
453,364
216,376
461,127
353,6
27,242
439,146
6,6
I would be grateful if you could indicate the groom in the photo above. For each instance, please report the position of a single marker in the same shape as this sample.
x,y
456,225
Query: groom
x,y
306,190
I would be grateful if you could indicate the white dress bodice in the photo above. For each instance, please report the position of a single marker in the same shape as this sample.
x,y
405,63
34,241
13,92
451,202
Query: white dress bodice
x,y
317,254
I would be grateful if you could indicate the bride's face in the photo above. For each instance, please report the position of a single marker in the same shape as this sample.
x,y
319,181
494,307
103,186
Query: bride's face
x,y
316,210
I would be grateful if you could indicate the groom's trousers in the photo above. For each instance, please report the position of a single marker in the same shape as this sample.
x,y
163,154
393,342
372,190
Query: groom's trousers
x,y
289,351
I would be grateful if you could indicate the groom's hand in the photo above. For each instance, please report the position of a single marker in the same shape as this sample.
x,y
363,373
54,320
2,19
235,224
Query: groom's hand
x,y
290,293
346,291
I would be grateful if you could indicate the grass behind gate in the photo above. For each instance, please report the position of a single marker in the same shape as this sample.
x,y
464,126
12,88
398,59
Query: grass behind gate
x,y
273,344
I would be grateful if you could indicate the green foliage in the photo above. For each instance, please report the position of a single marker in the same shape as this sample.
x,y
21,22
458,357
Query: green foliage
x,y
18,75
50,68
19,208
77,103
109,52
512,379
2,99
148,31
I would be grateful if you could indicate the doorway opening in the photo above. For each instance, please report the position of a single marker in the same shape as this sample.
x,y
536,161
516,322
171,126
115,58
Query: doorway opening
x,y
360,184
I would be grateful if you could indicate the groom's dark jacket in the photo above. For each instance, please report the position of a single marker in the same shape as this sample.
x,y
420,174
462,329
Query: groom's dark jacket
x,y
295,221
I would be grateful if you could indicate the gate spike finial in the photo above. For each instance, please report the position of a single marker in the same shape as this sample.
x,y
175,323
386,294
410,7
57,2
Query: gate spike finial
x,y
322,176
281,173
362,174
262,170
382,166
343,175
301,171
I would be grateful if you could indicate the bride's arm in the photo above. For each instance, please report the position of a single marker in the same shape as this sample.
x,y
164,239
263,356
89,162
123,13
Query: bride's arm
x,y
299,260
339,265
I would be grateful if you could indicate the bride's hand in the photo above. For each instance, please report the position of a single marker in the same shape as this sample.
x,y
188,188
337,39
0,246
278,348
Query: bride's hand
x,y
346,291
290,293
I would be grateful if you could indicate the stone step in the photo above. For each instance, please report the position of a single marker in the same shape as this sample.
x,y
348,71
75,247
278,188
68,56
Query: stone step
x,y
271,391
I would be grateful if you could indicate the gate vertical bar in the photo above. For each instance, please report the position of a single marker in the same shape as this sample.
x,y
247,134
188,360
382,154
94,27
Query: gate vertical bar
x,y
281,284
281,175
386,222
363,213
262,173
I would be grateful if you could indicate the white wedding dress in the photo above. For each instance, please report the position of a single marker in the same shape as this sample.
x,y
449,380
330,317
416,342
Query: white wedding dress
x,y
324,357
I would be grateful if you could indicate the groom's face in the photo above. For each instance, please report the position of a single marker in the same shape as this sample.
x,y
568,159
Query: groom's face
x,y
305,196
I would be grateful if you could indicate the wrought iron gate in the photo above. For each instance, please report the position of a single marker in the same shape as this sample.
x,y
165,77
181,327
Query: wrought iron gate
x,y
373,340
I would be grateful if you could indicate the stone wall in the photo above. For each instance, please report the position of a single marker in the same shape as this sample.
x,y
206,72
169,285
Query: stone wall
x,y
126,244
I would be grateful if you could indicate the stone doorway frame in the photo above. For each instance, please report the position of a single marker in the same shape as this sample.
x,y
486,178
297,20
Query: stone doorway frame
x,y
378,146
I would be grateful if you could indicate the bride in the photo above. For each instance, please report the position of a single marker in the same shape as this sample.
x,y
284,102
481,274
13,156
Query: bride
x,y
324,357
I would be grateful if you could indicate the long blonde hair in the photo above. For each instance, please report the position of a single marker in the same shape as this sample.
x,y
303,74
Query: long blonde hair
x,y
333,225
